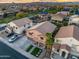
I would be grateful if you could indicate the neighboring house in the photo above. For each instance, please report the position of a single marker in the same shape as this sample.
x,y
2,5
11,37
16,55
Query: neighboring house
x,y
20,23
67,42
38,32
57,17
1,14
67,8
65,13
74,19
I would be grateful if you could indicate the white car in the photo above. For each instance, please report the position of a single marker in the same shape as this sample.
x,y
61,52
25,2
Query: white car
x,y
14,38
73,57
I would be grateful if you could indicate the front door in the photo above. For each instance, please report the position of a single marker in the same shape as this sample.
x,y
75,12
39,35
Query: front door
x,y
63,54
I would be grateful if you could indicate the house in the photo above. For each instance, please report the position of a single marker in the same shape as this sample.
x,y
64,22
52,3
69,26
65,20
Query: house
x,y
38,32
65,13
57,17
67,8
67,42
20,24
74,19
1,15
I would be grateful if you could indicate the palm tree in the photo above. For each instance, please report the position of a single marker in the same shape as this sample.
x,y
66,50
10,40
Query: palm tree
x,y
49,40
49,43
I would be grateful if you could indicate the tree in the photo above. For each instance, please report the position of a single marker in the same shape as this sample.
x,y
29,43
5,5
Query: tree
x,y
49,39
5,15
21,15
3,9
49,43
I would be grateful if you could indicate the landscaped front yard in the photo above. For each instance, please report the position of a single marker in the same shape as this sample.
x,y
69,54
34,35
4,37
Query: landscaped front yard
x,y
29,48
7,19
35,51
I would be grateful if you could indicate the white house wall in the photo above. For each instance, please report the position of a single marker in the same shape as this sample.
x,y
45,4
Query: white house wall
x,y
69,41
74,20
12,24
72,42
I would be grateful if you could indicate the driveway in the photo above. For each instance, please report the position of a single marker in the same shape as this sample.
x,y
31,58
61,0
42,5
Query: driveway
x,y
56,56
23,43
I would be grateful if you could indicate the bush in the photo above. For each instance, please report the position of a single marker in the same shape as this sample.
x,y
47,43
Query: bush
x,y
21,15
29,48
36,51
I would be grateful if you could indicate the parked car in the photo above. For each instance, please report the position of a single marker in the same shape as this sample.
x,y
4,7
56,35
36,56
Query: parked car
x,y
73,57
11,34
14,38
2,26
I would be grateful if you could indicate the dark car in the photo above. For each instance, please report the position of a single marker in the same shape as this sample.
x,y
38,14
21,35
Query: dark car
x,y
11,34
2,27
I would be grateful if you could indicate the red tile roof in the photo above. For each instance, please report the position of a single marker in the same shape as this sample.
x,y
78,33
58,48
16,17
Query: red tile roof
x,y
68,31
44,27
63,46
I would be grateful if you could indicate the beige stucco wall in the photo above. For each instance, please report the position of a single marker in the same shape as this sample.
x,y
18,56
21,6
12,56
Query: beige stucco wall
x,y
14,25
67,52
74,20
11,24
36,36
72,42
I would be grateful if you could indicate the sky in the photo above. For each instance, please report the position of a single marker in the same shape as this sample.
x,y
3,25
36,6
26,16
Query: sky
x,y
27,1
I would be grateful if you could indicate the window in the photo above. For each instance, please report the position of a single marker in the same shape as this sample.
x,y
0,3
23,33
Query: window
x,y
63,54
57,41
30,33
57,50
28,23
24,25
16,28
13,26
29,26
41,38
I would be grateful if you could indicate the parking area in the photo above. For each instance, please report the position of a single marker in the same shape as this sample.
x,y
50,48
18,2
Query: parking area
x,y
25,44
28,46
21,42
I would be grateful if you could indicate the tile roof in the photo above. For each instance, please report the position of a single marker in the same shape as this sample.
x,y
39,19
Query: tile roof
x,y
22,22
44,27
68,31
58,17
65,13
62,46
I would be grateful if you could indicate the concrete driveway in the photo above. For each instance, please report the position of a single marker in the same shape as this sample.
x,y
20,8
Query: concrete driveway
x,y
56,56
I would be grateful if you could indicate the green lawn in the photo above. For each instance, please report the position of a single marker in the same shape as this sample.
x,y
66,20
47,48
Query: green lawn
x,y
29,48
7,19
36,52
51,11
